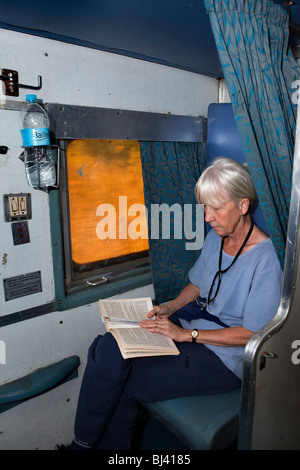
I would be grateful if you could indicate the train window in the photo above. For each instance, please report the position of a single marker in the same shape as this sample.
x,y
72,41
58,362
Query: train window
x,y
98,217
105,187
104,215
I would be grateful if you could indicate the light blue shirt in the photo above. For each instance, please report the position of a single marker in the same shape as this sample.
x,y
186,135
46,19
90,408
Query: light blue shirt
x,y
249,293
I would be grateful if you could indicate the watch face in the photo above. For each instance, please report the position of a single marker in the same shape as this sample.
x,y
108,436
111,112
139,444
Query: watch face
x,y
194,333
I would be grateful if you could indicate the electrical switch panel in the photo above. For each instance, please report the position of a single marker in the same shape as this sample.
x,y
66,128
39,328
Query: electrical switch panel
x,y
17,207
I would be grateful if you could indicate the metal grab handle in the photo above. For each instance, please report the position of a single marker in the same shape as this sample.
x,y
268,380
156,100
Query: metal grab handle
x,y
102,280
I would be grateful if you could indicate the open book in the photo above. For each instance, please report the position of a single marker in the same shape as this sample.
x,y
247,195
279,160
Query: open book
x,y
122,317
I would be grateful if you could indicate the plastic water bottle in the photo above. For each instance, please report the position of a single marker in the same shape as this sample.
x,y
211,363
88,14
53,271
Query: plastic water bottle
x,y
39,165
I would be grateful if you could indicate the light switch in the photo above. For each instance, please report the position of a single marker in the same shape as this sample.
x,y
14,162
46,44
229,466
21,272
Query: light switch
x,y
13,204
22,205
17,207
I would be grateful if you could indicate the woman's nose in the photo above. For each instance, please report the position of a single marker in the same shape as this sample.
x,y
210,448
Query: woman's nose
x,y
208,214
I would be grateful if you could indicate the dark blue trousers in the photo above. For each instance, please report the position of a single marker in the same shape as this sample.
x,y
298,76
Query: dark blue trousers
x,y
112,386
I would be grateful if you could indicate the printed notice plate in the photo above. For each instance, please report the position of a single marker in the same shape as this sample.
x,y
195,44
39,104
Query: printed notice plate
x,y
25,284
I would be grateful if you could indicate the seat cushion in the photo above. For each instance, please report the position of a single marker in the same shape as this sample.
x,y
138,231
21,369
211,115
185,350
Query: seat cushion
x,y
201,422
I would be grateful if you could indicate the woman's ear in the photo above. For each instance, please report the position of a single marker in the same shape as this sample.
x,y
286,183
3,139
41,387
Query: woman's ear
x,y
244,206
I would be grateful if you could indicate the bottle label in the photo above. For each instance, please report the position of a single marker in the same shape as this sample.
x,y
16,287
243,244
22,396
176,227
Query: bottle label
x,y
35,137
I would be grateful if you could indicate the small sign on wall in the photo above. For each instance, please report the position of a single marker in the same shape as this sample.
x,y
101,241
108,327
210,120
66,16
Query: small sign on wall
x,y
20,286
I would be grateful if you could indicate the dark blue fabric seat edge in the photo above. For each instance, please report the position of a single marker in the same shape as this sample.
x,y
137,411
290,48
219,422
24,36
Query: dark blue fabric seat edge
x,y
38,382
206,422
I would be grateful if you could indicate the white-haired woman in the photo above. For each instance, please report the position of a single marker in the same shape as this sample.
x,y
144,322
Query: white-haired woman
x,y
234,290
231,285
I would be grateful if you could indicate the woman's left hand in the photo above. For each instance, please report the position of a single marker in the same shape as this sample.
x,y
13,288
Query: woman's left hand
x,y
164,327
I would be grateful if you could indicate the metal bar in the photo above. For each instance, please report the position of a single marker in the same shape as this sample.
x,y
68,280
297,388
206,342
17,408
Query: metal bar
x,y
11,83
258,382
81,122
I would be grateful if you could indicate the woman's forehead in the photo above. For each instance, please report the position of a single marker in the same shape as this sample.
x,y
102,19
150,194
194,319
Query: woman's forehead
x,y
214,197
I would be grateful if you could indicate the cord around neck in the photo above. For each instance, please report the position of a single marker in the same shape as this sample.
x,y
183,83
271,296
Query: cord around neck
x,y
220,272
238,253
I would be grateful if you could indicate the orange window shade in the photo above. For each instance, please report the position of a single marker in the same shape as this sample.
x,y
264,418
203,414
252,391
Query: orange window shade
x,y
106,199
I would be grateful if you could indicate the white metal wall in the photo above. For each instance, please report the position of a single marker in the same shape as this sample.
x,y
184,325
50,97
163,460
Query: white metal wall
x,y
77,76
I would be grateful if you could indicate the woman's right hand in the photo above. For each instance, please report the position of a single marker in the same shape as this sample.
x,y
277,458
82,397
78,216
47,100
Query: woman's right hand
x,y
160,311
189,293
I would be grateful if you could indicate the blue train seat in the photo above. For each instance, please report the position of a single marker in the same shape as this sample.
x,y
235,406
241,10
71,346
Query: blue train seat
x,y
206,422
38,382
209,421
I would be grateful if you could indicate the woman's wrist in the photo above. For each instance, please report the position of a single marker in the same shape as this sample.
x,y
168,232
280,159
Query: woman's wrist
x,y
173,307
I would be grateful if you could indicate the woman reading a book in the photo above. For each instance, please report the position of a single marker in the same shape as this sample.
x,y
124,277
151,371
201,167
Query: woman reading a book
x,y
234,291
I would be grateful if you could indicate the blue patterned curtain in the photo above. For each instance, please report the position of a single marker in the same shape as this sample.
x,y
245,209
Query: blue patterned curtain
x,y
170,172
259,70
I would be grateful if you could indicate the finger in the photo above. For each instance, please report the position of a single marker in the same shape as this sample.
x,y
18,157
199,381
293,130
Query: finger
x,y
148,324
152,312
152,326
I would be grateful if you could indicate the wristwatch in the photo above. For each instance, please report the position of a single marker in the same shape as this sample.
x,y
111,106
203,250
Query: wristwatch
x,y
194,335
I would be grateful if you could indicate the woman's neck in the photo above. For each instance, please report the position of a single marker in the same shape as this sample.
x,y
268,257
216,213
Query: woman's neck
x,y
234,240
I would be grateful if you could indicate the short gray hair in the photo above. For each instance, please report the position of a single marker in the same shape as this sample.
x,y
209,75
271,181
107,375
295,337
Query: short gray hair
x,y
225,179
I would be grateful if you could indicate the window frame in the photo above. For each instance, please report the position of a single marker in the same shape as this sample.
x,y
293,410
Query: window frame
x,y
69,122
100,282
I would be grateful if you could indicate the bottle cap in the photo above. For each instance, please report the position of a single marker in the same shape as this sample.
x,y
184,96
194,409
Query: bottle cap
x,y
30,97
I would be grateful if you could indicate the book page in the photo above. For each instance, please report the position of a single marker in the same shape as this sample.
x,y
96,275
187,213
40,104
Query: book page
x,y
139,338
125,310
121,317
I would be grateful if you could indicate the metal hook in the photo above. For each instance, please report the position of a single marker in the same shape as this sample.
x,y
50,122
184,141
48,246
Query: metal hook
x,y
11,83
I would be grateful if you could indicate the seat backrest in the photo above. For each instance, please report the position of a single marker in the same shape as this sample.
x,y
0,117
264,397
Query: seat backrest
x,y
223,140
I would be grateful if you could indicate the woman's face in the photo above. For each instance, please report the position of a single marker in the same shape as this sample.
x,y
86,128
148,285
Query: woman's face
x,y
225,217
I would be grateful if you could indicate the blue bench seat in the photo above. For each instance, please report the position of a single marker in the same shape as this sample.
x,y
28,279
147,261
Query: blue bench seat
x,y
38,382
204,422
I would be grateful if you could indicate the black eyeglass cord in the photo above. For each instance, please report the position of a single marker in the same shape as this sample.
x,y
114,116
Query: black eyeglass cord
x,y
220,272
